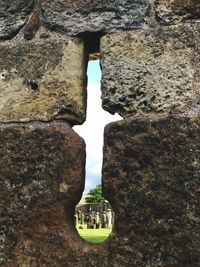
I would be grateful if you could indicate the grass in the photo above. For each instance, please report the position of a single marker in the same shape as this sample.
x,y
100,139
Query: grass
x,y
95,236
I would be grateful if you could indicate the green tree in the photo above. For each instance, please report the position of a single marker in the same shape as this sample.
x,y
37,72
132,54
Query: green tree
x,y
95,195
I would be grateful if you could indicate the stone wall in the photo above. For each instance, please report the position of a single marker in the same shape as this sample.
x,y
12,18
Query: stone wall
x,y
150,52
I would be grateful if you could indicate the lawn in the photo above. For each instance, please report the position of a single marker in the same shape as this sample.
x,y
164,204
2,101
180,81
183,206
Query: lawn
x,y
94,235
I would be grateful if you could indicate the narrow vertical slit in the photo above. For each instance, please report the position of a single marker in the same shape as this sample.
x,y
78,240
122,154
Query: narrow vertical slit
x,y
94,220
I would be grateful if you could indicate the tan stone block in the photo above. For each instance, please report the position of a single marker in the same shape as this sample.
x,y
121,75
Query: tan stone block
x,y
43,80
149,72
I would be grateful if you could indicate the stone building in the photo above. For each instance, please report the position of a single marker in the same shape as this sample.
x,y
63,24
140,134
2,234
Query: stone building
x,y
150,59
95,215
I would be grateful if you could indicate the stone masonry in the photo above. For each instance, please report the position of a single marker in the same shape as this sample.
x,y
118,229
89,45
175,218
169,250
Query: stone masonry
x,y
38,83
150,60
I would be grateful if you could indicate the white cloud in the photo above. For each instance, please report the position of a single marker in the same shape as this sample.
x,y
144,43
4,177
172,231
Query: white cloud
x,y
92,132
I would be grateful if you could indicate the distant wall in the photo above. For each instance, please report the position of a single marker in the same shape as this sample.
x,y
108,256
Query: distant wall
x,y
150,54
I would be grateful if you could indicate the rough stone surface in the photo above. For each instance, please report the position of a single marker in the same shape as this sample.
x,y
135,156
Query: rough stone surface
x,y
176,11
43,80
13,15
151,176
80,16
150,71
151,169
41,181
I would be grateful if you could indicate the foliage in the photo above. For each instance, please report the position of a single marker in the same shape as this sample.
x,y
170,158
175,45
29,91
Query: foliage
x,y
95,195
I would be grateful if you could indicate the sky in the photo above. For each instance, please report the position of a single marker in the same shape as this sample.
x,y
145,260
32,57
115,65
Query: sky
x,y
92,130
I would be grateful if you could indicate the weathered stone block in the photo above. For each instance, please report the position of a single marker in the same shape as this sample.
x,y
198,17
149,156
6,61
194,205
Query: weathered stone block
x,y
149,71
80,16
41,181
43,80
13,15
151,176
175,11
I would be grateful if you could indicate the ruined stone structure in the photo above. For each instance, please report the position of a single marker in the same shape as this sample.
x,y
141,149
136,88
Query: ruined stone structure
x,y
150,58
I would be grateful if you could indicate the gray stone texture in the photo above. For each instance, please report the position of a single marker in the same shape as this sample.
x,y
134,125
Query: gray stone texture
x,y
150,58
151,176
151,71
13,16
42,169
41,181
79,16
175,11
43,79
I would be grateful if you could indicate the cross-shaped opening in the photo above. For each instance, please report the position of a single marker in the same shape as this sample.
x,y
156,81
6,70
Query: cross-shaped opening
x,y
94,217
